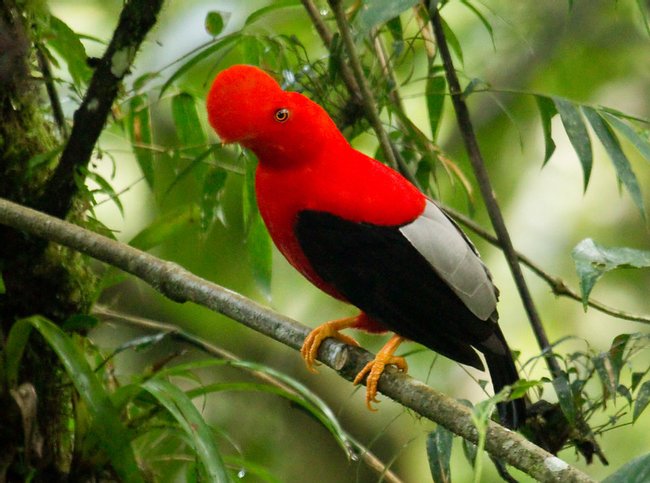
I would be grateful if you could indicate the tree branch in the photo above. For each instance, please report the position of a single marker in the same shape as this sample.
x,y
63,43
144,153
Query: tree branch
x,y
181,285
136,19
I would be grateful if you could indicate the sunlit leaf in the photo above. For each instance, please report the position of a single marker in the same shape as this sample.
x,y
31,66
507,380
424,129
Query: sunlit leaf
x,y
576,130
621,163
439,444
642,400
435,94
3,288
180,406
593,261
213,184
262,12
214,23
375,12
546,112
260,251
107,428
642,145
635,471
166,226
67,44
643,11
139,124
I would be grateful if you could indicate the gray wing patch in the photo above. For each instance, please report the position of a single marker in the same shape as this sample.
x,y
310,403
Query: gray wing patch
x,y
454,259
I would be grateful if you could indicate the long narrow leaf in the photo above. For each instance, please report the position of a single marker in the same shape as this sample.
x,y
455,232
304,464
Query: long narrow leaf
x,y
546,112
435,94
575,128
180,406
621,163
642,145
107,427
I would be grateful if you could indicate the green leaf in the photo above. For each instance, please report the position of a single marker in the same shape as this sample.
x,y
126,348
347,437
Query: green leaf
x,y
106,188
482,19
166,226
605,371
204,53
546,112
452,40
188,126
435,94
262,12
214,23
66,43
80,322
111,434
192,165
260,250
249,203
635,471
395,28
439,444
213,184
642,400
642,145
565,398
139,124
3,288
621,163
576,130
180,406
300,394
616,352
375,12
593,261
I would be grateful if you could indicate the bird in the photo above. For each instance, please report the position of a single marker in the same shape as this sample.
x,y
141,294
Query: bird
x,y
362,233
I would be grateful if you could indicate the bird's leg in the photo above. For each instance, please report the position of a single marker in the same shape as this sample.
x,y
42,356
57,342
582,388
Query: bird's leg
x,y
312,343
375,368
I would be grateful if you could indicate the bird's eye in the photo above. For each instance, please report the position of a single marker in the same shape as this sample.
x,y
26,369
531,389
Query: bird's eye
x,y
281,115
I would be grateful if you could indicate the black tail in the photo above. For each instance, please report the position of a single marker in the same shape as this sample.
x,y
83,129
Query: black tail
x,y
503,372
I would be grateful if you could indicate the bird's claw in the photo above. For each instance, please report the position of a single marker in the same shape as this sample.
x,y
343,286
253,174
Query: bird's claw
x,y
373,370
313,341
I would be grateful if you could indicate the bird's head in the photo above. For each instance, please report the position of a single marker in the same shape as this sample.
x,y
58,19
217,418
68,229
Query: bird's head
x,y
247,106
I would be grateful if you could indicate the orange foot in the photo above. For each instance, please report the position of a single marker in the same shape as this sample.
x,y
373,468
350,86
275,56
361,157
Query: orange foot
x,y
312,343
375,368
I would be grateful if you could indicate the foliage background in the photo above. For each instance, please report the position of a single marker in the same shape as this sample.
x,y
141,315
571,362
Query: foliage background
x,y
593,53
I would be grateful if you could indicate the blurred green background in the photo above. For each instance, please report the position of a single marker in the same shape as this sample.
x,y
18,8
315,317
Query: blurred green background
x,y
596,53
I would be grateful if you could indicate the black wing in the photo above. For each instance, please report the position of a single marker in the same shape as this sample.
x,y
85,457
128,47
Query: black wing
x,y
377,269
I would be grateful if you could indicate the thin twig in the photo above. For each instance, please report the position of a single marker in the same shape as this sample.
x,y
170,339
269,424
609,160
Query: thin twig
x,y
55,102
107,314
181,285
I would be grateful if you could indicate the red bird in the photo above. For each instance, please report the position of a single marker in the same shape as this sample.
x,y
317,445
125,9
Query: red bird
x,y
363,234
